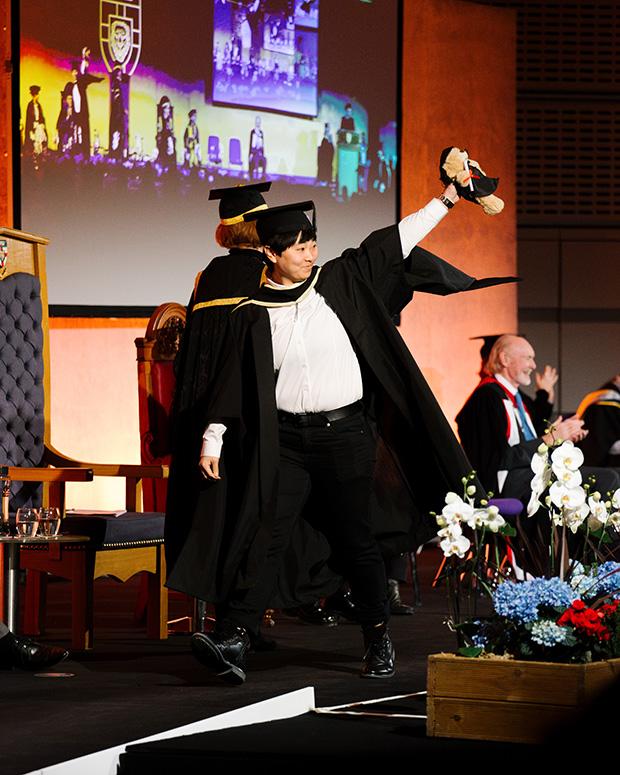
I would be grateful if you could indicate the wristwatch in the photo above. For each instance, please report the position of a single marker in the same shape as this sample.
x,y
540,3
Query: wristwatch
x,y
445,201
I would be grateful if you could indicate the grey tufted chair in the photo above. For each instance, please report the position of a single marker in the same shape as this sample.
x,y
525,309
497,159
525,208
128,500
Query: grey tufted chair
x,y
118,547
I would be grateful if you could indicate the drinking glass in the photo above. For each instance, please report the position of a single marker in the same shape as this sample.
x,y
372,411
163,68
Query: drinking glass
x,y
49,521
27,522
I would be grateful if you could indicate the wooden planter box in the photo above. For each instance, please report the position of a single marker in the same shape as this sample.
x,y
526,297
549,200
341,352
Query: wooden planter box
x,y
516,701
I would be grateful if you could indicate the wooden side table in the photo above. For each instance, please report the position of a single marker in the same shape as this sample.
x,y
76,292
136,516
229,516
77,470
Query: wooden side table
x,y
10,547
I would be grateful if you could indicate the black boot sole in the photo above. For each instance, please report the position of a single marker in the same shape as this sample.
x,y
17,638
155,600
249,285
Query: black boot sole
x,y
209,655
378,675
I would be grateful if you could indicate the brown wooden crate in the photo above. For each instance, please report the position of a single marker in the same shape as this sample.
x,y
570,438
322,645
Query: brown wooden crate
x,y
516,680
517,722
489,699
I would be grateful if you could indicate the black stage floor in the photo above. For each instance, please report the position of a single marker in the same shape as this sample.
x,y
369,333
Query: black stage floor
x,y
129,687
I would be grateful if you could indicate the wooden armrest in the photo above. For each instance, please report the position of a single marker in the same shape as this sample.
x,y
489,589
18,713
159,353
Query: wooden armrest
x,y
131,471
26,474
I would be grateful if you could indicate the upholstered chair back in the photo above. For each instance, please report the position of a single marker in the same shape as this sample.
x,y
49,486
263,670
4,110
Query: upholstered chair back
x,y
22,363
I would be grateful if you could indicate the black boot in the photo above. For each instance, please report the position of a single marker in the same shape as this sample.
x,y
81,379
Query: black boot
x,y
341,604
379,656
223,652
313,613
396,604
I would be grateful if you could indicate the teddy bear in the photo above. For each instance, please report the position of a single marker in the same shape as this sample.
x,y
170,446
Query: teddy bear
x,y
472,184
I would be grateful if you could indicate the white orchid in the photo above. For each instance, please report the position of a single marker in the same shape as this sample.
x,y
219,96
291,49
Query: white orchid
x,y
476,519
534,502
598,512
453,541
540,462
615,499
457,511
567,455
567,497
446,520
541,479
455,544
450,531
567,476
614,520
538,485
557,518
573,518
493,520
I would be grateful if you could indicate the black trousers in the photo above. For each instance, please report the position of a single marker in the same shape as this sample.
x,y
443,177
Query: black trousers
x,y
334,462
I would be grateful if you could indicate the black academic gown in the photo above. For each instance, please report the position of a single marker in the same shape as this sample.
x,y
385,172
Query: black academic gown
x,y
419,458
483,430
200,515
226,280
602,420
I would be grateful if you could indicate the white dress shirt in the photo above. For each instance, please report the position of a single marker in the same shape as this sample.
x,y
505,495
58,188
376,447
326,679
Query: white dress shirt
x,y
311,346
513,414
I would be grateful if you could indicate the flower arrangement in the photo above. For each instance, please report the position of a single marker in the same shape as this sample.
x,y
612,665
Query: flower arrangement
x,y
566,606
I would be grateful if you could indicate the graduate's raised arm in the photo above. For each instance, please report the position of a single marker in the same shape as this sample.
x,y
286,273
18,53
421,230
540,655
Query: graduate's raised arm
x,y
414,227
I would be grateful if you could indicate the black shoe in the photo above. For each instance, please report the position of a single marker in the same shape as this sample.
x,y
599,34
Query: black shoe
x,y
380,656
341,604
27,654
223,652
396,604
313,613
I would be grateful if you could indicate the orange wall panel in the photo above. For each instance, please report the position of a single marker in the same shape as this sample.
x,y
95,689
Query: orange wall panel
x,y
459,88
94,407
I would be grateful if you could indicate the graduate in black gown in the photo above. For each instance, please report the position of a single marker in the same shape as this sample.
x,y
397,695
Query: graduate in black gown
x,y
600,411
390,456
35,131
200,519
226,280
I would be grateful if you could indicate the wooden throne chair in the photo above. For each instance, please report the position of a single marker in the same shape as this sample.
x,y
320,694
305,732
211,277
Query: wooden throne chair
x,y
117,547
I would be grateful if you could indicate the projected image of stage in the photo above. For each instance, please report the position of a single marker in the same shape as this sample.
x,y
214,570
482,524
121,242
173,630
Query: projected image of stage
x,y
132,113
265,58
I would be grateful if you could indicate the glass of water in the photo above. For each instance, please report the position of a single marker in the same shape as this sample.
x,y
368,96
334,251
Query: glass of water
x,y
49,522
27,522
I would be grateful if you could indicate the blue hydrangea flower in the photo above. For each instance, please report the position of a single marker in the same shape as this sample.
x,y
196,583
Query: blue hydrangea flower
x,y
521,601
547,633
603,579
608,576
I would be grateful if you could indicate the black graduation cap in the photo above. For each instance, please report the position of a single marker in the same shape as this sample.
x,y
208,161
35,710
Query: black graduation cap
x,y
487,344
237,201
488,341
285,219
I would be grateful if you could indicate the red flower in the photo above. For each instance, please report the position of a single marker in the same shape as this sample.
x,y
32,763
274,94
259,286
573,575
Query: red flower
x,y
587,620
608,609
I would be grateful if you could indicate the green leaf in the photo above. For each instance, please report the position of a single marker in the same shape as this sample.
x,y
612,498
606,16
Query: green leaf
x,y
601,535
508,530
470,651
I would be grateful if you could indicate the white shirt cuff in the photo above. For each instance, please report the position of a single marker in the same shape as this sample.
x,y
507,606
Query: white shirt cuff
x,y
212,440
413,228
